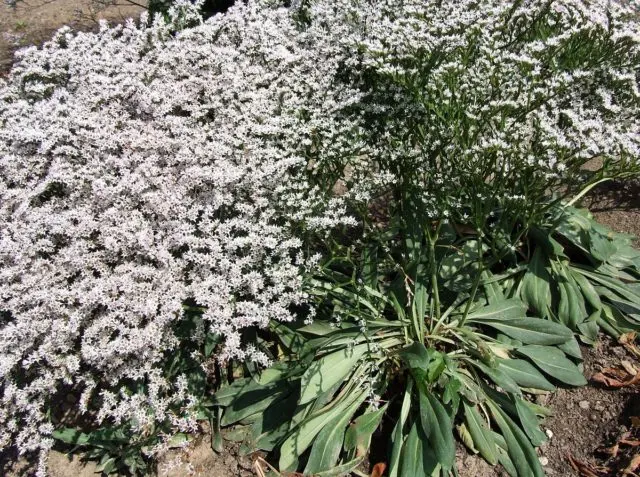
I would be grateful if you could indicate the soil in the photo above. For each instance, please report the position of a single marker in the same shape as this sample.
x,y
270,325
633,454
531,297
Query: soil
x,y
34,21
585,421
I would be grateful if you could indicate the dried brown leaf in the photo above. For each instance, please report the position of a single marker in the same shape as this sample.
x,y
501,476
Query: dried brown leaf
x,y
585,469
615,378
635,421
628,367
378,469
612,451
633,465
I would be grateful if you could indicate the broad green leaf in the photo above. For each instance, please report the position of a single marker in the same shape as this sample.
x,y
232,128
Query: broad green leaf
x,y
571,348
247,403
601,247
530,330
328,444
416,355
492,289
107,466
70,436
535,290
302,436
268,379
530,423
587,289
524,374
571,309
418,458
397,438
589,329
503,456
553,362
502,310
613,284
329,370
499,377
522,454
342,469
358,435
437,426
481,434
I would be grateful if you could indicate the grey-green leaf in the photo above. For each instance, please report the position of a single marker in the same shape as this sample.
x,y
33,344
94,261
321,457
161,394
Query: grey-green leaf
x,y
530,330
438,428
553,362
481,435
530,423
535,290
522,454
525,374
328,444
329,370
302,436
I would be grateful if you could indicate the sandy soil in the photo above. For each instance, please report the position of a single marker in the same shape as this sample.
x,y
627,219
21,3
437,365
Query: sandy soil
x,y
33,21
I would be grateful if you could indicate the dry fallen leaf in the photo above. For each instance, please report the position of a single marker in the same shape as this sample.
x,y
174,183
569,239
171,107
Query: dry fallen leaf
x,y
378,469
628,367
628,341
633,465
612,451
615,378
635,421
585,469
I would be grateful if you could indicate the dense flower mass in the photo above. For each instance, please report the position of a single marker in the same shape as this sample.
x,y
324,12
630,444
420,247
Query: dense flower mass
x,y
158,163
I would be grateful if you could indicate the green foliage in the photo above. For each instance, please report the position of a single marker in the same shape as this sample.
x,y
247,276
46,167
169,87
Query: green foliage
x,y
399,337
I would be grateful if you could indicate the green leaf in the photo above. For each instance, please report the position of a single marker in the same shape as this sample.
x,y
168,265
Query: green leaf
x,y
397,438
530,330
571,309
499,377
520,451
481,435
524,374
530,423
268,379
553,362
328,444
571,348
587,289
302,436
502,310
247,403
107,467
416,355
358,436
342,469
437,426
417,458
535,290
329,370
601,247
70,436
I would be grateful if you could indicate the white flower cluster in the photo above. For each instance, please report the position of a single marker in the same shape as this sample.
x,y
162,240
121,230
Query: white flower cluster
x,y
484,97
142,168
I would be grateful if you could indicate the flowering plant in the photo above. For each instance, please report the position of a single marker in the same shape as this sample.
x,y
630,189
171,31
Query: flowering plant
x,y
403,170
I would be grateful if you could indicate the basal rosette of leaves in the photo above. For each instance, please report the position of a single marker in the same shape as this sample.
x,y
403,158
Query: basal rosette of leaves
x,y
406,170
472,276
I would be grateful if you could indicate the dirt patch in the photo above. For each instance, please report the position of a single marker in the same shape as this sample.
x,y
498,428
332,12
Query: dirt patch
x,y
34,21
616,204
589,418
